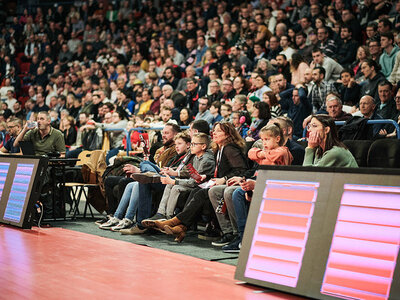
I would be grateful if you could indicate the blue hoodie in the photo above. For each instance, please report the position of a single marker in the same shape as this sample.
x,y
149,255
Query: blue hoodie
x,y
387,61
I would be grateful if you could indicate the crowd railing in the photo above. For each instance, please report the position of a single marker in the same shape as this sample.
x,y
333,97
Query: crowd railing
x,y
372,122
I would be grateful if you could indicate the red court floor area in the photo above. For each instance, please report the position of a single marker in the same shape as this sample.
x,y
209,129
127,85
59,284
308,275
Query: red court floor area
x,y
57,263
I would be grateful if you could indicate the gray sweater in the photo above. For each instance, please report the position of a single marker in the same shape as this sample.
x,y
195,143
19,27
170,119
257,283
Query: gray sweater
x,y
204,164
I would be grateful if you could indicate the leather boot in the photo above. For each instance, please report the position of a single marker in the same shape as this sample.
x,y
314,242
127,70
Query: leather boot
x,y
171,222
178,231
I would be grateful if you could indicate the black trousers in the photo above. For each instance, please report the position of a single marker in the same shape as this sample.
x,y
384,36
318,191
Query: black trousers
x,y
198,204
115,186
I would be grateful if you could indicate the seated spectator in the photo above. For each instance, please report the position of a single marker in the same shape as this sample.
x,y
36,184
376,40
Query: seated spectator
x,y
386,105
226,111
241,121
373,76
215,111
283,67
185,117
320,89
349,90
261,116
45,138
324,148
118,122
128,206
260,84
298,67
348,47
232,226
228,149
325,44
203,163
389,51
204,112
272,101
362,54
332,68
69,131
14,126
299,108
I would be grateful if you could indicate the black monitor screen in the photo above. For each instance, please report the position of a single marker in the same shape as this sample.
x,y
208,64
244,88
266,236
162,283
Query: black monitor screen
x,y
20,183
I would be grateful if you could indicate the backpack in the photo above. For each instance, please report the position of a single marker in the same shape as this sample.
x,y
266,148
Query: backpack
x,y
355,128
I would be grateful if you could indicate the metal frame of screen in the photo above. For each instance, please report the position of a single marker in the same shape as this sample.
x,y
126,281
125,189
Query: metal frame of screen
x,y
324,233
20,186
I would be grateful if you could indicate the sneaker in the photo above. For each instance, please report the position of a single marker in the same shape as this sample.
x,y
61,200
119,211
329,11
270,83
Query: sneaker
x,y
224,240
233,247
133,230
110,223
103,220
124,224
148,177
150,221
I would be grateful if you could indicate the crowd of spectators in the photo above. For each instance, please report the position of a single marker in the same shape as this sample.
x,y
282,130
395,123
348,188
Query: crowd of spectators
x,y
101,65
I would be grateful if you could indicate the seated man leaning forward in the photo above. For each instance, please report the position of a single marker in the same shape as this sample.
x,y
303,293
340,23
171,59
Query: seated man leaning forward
x,y
45,138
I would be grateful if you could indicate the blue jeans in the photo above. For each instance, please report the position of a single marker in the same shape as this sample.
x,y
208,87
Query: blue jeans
x,y
145,200
129,202
241,209
148,166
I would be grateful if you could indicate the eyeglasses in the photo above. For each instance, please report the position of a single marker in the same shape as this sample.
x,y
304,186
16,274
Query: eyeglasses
x,y
195,144
397,98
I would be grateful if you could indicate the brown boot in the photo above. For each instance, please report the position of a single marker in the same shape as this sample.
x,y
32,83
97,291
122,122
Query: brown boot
x,y
171,222
178,231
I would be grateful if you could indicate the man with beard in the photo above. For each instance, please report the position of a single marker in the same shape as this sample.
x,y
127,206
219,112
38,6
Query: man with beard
x,y
283,67
45,138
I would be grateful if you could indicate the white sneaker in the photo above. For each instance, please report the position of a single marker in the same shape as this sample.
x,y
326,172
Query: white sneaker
x,y
125,223
110,223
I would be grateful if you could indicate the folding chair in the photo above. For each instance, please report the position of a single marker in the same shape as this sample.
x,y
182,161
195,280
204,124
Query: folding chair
x,y
77,189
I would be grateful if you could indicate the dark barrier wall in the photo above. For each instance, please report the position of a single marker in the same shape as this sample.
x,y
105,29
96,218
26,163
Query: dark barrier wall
x,y
20,184
324,233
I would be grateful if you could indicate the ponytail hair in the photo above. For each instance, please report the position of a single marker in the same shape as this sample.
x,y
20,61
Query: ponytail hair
x,y
274,130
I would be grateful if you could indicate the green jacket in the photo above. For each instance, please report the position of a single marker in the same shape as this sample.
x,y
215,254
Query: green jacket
x,y
335,157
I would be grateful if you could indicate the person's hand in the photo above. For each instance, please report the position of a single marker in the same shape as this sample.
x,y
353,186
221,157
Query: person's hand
x,y
131,169
383,132
248,185
167,180
234,180
261,155
314,140
306,121
168,172
219,181
249,139
351,83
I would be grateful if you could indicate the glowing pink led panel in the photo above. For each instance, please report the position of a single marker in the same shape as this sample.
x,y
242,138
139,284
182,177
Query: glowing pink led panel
x,y
281,231
365,243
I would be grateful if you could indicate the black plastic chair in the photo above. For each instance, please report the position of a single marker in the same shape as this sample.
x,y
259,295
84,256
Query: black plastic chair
x,y
360,150
384,153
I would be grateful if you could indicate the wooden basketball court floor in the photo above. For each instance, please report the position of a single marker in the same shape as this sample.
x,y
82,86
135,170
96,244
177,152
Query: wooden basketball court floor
x,y
56,263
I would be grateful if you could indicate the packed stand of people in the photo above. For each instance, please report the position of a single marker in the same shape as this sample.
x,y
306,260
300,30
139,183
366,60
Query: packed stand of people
x,y
260,74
